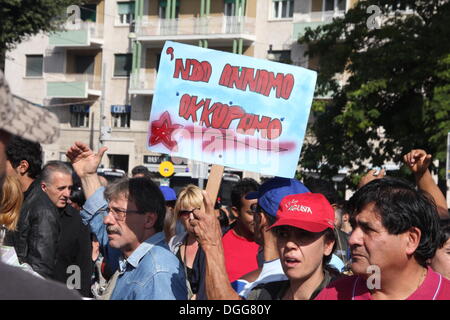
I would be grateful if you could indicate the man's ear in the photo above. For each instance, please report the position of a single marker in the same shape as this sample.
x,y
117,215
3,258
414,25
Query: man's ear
x,y
43,186
413,236
235,212
150,220
23,167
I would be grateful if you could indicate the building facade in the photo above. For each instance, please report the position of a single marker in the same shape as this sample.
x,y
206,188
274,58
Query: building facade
x,y
99,75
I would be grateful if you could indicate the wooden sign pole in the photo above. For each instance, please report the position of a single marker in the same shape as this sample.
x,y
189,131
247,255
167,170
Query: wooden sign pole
x,y
214,180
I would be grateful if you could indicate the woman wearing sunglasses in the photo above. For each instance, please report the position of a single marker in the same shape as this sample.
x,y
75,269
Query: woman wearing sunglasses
x,y
184,245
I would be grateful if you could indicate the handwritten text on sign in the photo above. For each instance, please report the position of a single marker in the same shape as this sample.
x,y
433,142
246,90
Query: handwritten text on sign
x,y
230,109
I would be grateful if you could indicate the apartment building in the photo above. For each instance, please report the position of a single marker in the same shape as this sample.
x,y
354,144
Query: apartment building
x,y
98,76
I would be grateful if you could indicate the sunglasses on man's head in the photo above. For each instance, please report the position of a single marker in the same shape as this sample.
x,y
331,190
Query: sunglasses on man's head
x,y
187,212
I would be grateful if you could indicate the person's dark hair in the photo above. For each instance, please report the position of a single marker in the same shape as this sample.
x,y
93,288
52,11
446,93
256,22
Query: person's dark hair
x,y
444,232
401,207
324,187
144,192
139,169
240,189
329,236
171,203
77,195
223,218
21,149
54,166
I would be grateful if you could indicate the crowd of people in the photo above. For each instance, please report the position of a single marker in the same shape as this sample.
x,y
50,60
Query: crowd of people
x,y
68,234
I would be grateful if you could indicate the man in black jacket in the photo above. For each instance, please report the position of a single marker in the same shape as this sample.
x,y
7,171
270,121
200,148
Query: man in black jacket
x,y
39,224
20,118
74,264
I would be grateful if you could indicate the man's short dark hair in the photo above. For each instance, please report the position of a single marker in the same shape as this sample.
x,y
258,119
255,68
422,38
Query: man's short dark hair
x,y
240,189
139,169
77,195
324,187
144,193
444,233
20,149
401,207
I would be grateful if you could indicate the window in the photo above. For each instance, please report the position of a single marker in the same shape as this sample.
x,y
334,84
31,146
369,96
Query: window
x,y
126,12
88,12
334,5
122,65
34,65
84,64
79,116
229,8
120,116
162,9
283,9
283,56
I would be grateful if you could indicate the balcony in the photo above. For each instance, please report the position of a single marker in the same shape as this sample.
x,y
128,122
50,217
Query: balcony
x,y
209,28
313,20
73,86
143,82
85,34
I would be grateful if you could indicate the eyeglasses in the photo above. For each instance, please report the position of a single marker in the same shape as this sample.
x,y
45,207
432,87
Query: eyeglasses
x,y
120,215
187,212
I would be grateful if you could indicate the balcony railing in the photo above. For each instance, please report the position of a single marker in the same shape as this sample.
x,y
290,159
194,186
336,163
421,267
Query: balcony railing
x,y
319,16
72,85
80,34
154,27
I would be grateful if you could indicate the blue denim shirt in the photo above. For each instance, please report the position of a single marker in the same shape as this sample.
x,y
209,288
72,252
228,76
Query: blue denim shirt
x,y
151,272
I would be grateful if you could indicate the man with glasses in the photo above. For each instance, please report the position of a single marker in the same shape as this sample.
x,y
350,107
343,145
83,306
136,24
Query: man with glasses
x,y
128,215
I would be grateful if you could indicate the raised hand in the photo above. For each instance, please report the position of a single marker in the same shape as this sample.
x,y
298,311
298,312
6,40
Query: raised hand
x,y
417,161
206,225
84,160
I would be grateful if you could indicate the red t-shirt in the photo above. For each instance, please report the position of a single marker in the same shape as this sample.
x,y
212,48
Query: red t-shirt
x,y
434,287
240,255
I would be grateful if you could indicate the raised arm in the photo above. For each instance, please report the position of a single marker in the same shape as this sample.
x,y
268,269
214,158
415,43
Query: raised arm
x,y
85,163
418,162
209,236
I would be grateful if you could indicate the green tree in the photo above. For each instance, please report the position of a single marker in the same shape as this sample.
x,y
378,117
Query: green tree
x,y
397,96
22,18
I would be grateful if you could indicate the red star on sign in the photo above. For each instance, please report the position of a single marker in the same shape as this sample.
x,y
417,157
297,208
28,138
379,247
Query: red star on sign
x,y
161,131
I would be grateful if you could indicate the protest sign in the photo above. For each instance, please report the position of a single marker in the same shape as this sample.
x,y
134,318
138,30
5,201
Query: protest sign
x,y
230,110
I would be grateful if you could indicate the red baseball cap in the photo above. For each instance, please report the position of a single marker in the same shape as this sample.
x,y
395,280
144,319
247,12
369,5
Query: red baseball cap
x,y
308,211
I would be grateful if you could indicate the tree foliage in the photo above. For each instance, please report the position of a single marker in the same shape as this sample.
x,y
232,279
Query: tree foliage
x,y
22,18
397,96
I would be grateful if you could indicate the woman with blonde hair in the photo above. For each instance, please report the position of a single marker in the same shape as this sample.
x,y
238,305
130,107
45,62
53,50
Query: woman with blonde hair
x,y
184,245
10,204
